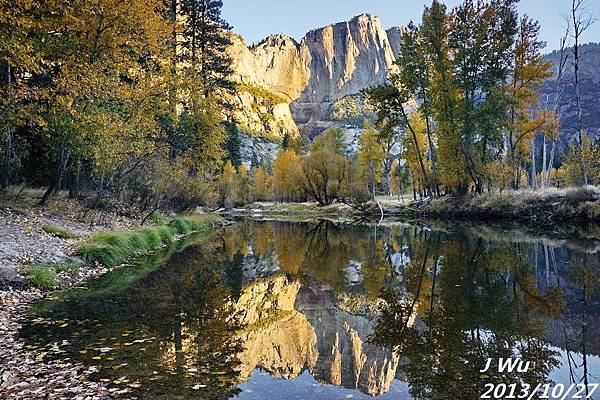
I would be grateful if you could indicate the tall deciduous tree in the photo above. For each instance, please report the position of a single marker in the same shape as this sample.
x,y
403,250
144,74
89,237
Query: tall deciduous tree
x,y
416,74
103,69
581,21
390,102
481,41
17,61
286,175
370,157
528,73
444,92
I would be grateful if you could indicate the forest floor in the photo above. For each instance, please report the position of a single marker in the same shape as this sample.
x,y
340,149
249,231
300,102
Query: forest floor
x,y
31,235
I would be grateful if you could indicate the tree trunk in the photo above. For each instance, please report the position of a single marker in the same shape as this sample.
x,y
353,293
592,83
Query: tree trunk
x,y
401,192
56,184
387,167
533,166
372,174
417,148
577,21
7,162
432,158
74,188
544,166
551,163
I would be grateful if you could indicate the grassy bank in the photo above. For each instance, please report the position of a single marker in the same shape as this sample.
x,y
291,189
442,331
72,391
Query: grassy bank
x,y
113,248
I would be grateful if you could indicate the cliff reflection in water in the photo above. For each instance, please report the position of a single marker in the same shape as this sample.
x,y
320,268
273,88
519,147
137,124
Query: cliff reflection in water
x,y
360,307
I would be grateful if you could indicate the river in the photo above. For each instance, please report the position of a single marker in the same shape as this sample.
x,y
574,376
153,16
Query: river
x,y
326,310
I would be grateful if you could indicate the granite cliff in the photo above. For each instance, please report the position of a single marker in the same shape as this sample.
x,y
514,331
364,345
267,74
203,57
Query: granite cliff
x,y
286,86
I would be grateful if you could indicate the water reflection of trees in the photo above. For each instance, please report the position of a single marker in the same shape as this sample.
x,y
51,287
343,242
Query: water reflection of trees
x,y
451,301
174,328
476,299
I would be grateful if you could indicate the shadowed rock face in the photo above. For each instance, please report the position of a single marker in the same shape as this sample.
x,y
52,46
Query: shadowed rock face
x,y
590,91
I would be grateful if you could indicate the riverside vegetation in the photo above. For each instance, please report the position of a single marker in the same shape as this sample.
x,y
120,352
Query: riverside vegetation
x,y
128,103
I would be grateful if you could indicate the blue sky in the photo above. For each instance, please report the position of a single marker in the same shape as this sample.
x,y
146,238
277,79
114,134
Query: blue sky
x,y
256,19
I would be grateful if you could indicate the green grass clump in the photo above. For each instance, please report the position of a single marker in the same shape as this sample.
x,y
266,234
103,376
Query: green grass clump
x,y
165,233
59,232
41,276
113,248
181,225
152,238
66,266
157,218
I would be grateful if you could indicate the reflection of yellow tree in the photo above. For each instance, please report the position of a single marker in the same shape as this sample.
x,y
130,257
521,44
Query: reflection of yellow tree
x,y
235,239
263,238
375,267
290,251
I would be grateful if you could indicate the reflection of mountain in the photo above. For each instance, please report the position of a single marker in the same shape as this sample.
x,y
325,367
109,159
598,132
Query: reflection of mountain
x,y
284,348
345,357
315,335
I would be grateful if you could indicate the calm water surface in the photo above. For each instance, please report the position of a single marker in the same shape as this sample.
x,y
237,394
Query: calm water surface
x,y
282,310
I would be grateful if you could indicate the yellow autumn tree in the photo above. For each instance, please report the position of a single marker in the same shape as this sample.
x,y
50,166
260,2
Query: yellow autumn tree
x,y
414,150
370,157
261,184
529,71
243,185
226,185
286,175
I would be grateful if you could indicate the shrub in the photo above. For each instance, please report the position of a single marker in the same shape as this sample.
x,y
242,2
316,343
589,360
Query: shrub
x,y
113,248
59,232
581,194
41,276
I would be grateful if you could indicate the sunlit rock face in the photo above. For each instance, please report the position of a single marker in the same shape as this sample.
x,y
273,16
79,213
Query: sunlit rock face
x,y
344,58
290,329
329,63
277,338
266,297
267,76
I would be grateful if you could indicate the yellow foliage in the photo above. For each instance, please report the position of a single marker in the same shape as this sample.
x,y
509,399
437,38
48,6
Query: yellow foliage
x,y
262,184
286,175
370,154
413,157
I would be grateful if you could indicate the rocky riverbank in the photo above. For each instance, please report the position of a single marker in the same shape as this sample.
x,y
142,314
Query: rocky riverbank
x,y
47,237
